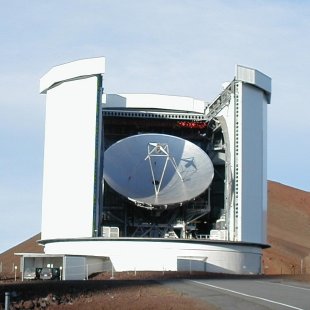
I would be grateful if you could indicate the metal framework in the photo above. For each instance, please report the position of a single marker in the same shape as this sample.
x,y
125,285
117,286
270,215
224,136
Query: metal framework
x,y
160,150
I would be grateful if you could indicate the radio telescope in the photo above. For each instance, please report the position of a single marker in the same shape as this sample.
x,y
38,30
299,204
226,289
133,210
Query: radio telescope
x,y
157,169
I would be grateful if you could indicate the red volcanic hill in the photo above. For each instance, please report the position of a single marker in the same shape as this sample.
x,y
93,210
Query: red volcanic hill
x,y
8,260
288,230
288,234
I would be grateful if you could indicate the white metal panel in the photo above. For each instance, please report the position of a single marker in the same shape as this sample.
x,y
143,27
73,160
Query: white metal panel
x,y
253,169
238,145
264,175
153,101
79,68
254,77
69,159
75,268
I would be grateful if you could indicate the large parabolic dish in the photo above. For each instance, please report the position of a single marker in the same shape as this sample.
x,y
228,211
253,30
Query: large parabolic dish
x,y
157,169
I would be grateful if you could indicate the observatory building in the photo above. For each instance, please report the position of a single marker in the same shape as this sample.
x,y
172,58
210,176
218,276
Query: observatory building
x,y
155,182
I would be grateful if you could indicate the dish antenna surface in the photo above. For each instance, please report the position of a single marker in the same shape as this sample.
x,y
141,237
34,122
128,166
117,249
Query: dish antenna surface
x,y
157,169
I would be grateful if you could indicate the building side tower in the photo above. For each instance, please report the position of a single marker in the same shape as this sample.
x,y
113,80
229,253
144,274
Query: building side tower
x,y
252,94
72,149
241,111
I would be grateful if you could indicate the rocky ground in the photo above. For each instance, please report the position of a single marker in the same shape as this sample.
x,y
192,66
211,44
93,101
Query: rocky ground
x,y
146,295
124,291
127,290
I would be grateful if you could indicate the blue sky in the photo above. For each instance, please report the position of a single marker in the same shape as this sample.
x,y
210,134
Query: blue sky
x,y
179,47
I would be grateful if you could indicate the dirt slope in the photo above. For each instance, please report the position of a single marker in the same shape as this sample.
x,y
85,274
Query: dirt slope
x,y
9,260
288,230
288,234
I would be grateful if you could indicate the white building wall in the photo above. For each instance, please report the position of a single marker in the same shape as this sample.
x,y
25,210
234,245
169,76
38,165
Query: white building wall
x,y
158,256
246,119
252,94
253,166
153,101
69,159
